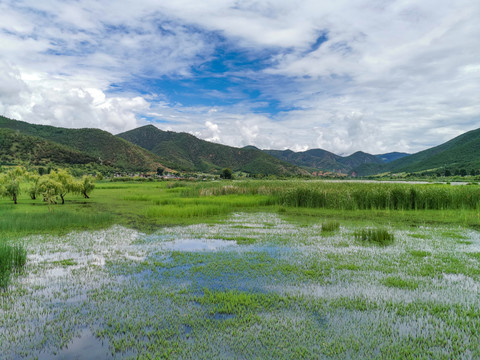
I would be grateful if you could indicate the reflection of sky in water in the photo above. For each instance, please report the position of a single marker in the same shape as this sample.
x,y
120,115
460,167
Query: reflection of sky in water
x,y
85,346
197,244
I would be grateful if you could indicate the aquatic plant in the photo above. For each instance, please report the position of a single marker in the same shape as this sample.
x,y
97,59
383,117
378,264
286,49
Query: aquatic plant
x,y
12,260
330,226
374,236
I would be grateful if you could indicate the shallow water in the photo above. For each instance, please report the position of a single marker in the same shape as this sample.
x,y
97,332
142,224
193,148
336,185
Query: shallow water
x,y
85,346
186,292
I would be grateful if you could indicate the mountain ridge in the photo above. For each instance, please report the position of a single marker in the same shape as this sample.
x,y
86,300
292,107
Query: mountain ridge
x,y
193,154
93,142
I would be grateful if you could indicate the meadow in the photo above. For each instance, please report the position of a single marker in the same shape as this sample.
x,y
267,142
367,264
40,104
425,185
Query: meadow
x,y
246,269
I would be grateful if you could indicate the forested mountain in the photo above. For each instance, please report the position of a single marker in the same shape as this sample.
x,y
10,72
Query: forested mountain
x,y
188,153
462,152
100,145
389,157
16,148
318,159
147,148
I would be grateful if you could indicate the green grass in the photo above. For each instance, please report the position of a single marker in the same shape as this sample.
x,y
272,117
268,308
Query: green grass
x,y
149,205
65,262
25,219
400,283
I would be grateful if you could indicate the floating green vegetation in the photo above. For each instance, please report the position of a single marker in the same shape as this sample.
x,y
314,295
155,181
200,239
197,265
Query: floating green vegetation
x,y
330,226
12,260
374,236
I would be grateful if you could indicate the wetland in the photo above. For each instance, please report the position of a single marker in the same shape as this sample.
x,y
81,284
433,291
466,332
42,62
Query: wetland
x,y
241,270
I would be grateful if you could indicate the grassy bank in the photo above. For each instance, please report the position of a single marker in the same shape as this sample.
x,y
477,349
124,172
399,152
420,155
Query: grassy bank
x,y
150,205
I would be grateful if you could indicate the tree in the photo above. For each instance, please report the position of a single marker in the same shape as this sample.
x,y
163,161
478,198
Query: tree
x,y
10,183
226,174
67,183
160,171
49,188
87,184
33,190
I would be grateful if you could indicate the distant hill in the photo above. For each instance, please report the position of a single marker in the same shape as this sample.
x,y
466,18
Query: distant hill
x,y
359,158
100,145
315,159
389,157
319,159
462,152
16,148
188,153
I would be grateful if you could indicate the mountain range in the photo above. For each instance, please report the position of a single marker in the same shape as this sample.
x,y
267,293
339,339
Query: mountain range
x,y
185,152
148,148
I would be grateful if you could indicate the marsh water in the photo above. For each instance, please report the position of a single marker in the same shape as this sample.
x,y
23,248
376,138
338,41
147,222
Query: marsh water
x,y
255,285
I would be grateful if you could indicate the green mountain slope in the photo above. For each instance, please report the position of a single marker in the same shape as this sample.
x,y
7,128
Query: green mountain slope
x,y
318,159
188,153
16,148
315,159
359,158
460,152
392,156
101,145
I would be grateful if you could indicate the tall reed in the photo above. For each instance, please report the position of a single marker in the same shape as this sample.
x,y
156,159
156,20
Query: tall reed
x,y
12,260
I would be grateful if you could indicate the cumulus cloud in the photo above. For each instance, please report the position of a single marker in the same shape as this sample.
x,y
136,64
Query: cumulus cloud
x,y
345,76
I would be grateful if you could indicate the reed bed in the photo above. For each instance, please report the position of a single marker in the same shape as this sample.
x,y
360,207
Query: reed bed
x,y
12,260
353,196
349,195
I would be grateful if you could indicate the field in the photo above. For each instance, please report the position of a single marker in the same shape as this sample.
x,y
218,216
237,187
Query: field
x,y
246,269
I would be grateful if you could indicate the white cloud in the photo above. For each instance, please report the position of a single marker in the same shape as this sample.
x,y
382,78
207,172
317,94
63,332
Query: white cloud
x,y
400,75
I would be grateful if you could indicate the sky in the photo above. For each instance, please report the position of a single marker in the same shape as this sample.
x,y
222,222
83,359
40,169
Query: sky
x,y
344,76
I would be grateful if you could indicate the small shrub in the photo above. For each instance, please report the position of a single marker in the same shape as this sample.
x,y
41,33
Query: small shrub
x,y
375,236
330,226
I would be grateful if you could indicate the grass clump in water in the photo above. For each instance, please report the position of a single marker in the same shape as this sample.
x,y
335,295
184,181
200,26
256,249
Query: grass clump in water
x,y
397,282
374,236
65,262
330,226
12,260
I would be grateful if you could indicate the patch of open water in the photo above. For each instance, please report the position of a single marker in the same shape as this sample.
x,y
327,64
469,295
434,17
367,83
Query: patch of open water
x,y
85,346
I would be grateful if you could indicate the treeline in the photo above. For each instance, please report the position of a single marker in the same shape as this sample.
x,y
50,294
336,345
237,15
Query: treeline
x,y
52,187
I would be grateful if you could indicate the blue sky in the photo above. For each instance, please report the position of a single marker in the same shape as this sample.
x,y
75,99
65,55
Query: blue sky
x,y
344,76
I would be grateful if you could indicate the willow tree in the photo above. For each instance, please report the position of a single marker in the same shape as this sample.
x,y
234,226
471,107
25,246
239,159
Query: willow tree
x,y
65,183
10,182
86,185
49,188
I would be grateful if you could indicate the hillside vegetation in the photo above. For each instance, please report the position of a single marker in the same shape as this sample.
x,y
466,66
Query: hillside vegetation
x,y
98,144
188,153
18,148
319,159
462,152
